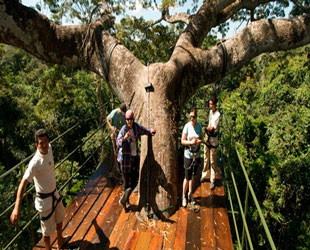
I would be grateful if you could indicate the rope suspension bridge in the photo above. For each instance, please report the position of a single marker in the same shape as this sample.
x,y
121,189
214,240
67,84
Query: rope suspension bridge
x,y
95,220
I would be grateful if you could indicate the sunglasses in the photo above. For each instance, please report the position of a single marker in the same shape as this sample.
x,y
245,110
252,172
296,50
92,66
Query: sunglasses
x,y
129,119
192,116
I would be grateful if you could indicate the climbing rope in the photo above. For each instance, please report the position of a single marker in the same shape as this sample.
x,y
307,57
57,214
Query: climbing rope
x,y
148,91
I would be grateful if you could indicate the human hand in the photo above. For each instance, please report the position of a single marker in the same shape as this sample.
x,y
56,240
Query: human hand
x,y
153,131
198,141
127,135
14,218
193,141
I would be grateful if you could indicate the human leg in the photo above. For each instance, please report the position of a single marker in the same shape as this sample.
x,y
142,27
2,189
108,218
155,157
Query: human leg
x,y
206,163
59,217
135,164
213,167
48,227
185,186
127,189
187,180
114,169
47,242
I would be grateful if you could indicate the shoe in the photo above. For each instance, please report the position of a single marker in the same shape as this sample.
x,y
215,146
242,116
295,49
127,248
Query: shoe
x,y
184,202
203,178
212,186
125,197
190,197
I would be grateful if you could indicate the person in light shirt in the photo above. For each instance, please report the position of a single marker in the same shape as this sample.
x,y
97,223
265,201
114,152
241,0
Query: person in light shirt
x,y
191,138
211,143
47,202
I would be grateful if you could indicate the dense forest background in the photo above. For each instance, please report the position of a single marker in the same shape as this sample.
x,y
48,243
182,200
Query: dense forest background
x,y
265,111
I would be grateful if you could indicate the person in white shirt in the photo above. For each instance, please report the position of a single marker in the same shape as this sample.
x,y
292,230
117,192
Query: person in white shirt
x,y
211,143
191,138
47,201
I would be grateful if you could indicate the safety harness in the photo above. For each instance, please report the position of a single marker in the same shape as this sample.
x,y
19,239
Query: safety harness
x,y
210,134
46,195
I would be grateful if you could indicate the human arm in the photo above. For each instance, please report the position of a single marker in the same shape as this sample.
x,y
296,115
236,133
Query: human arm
x,y
145,131
112,128
213,123
15,215
186,142
122,137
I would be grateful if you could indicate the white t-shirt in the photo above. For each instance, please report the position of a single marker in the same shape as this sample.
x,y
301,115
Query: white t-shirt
x,y
41,170
214,121
191,133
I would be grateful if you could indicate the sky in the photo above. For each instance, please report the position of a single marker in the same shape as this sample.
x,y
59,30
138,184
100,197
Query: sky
x,y
148,14
140,12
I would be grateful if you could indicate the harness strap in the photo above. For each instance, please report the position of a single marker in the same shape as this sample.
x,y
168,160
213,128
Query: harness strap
x,y
208,141
224,50
46,195
106,64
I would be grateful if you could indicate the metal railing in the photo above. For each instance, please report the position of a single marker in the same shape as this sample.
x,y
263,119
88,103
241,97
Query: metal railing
x,y
243,211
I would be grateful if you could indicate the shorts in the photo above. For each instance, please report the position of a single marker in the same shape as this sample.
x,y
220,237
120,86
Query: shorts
x,y
190,169
49,226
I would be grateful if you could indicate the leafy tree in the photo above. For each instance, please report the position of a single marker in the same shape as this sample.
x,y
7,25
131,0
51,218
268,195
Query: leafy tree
x,y
188,68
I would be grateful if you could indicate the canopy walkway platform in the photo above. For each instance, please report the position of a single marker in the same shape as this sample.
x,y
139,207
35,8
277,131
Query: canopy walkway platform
x,y
96,220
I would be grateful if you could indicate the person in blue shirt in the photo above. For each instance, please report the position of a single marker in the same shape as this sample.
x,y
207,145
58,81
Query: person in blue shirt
x,y
191,138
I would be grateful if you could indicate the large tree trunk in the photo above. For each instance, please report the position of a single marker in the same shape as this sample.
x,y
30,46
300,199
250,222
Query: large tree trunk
x,y
159,163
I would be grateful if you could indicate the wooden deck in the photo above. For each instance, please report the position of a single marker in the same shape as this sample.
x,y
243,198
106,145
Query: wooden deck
x,y
95,220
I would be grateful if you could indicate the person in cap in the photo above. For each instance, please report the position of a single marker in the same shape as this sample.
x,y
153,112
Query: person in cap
x,y
116,120
128,154
47,202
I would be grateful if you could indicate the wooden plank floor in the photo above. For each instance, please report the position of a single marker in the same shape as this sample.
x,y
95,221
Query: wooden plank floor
x,y
95,220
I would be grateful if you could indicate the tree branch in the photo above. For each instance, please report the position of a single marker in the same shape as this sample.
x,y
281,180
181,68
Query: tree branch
x,y
211,14
204,67
85,46
176,18
25,28
257,38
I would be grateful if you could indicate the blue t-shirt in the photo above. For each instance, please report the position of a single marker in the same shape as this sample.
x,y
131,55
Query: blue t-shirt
x,y
117,119
191,133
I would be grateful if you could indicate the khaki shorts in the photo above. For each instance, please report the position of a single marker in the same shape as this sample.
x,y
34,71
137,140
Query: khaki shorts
x,y
49,226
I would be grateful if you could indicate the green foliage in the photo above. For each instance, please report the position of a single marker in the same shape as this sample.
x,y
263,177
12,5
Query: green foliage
x,y
149,44
267,116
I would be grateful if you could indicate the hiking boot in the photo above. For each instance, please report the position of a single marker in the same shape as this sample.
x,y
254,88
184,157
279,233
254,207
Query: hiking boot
x,y
125,197
190,197
184,202
204,176
212,186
